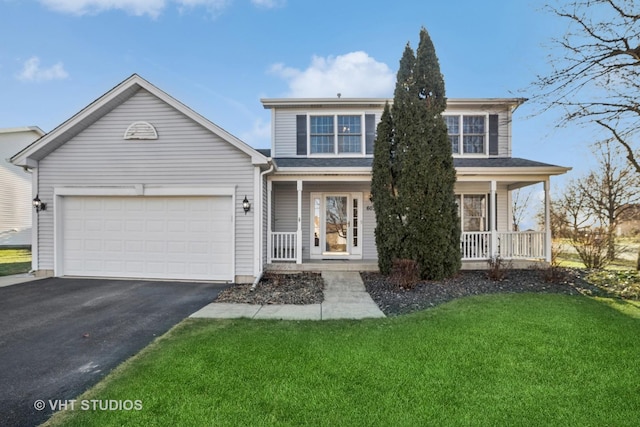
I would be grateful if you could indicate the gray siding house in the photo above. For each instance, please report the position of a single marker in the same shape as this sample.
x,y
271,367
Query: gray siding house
x,y
139,185
15,188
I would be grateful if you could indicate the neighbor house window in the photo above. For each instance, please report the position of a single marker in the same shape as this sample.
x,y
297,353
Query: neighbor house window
x,y
467,134
335,134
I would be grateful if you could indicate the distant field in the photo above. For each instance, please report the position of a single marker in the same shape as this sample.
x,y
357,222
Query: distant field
x,y
14,261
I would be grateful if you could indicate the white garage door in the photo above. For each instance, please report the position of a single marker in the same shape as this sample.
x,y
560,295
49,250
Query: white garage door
x,y
148,237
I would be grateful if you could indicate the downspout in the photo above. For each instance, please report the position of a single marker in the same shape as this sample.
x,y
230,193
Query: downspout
x,y
261,269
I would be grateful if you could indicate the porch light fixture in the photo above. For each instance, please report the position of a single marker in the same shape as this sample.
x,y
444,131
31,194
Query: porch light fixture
x,y
246,205
39,205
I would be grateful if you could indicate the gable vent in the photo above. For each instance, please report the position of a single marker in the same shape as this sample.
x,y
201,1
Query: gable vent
x,y
141,130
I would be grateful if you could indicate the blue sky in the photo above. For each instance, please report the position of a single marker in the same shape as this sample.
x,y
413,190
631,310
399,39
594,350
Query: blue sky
x,y
220,57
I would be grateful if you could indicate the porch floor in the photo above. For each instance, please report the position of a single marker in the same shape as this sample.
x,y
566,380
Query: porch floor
x,y
319,265
324,265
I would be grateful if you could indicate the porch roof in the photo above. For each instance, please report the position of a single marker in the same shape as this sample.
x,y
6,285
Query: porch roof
x,y
489,165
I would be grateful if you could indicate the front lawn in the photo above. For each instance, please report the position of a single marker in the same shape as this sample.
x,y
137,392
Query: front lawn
x,y
14,261
525,359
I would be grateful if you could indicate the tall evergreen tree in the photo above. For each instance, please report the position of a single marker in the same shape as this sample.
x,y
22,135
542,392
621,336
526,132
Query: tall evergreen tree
x,y
383,192
417,215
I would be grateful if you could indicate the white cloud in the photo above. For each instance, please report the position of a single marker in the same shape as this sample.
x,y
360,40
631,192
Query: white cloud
x,y
353,75
32,71
152,8
259,135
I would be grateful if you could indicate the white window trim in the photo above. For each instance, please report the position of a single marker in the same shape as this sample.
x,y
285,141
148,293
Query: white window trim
x,y
335,115
460,152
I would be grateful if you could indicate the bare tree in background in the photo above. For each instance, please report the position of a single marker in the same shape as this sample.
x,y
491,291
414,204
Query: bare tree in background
x,y
520,201
596,70
610,191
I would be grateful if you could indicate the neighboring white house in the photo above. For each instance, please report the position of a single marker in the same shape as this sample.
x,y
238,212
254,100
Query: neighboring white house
x,y
139,185
15,187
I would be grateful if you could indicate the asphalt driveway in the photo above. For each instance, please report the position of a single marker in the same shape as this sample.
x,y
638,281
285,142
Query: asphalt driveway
x,y
58,336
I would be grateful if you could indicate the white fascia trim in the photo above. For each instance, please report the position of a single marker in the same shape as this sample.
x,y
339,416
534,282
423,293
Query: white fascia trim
x,y
136,80
320,170
553,170
141,190
332,178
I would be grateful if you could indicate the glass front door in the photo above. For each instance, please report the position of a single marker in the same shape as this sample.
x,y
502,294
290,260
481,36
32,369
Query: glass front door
x,y
337,225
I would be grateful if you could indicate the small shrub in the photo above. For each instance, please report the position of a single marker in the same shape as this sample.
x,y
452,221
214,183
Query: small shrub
x,y
591,246
553,274
497,268
405,273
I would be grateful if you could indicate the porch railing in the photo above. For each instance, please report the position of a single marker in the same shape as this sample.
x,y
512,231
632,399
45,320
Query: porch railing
x,y
283,246
521,244
509,244
474,245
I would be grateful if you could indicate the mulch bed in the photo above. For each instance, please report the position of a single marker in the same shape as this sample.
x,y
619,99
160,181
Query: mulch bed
x,y
306,288
394,301
298,288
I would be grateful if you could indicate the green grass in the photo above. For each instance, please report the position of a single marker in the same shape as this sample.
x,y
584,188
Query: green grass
x,y
14,261
526,359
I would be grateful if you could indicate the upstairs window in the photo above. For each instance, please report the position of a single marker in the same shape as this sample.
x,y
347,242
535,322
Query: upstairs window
x,y
322,134
467,134
335,134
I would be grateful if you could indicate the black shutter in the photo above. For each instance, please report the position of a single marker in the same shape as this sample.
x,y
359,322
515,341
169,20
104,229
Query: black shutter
x,y
301,135
370,132
493,134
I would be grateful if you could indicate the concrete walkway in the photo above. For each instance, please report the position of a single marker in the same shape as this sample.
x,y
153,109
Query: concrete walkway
x,y
345,297
16,279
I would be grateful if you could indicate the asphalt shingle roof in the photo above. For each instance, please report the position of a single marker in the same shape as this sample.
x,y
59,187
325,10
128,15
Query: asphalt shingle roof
x,y
345,162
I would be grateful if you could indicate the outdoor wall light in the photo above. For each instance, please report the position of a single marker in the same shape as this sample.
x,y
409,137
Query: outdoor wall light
x,y
246,205
39,205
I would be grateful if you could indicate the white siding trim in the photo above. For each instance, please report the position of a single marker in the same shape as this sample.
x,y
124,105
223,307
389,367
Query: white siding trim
x,y
146,191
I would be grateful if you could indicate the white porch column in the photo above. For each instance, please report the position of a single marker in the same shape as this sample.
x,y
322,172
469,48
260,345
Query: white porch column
x,y
492,214
269,221
299,231
547,220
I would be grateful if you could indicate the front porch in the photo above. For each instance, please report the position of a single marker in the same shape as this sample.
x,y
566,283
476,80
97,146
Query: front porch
x,y
335,224
475,247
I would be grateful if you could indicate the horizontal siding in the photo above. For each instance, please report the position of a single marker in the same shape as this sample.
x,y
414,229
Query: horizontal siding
x,y
285,126
15,190
285,132
185,154
285,205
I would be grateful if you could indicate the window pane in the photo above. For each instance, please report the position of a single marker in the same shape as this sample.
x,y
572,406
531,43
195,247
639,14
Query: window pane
x,y
474,211
473,130
453,124
455,143
322,138
349,134
473,124
322,125
321,144
473,144
453,128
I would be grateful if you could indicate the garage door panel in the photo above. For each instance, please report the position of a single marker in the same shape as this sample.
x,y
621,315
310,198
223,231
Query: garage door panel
x,y
151,237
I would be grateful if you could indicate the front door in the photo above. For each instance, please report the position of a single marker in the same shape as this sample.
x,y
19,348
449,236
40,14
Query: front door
x,y
336,225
